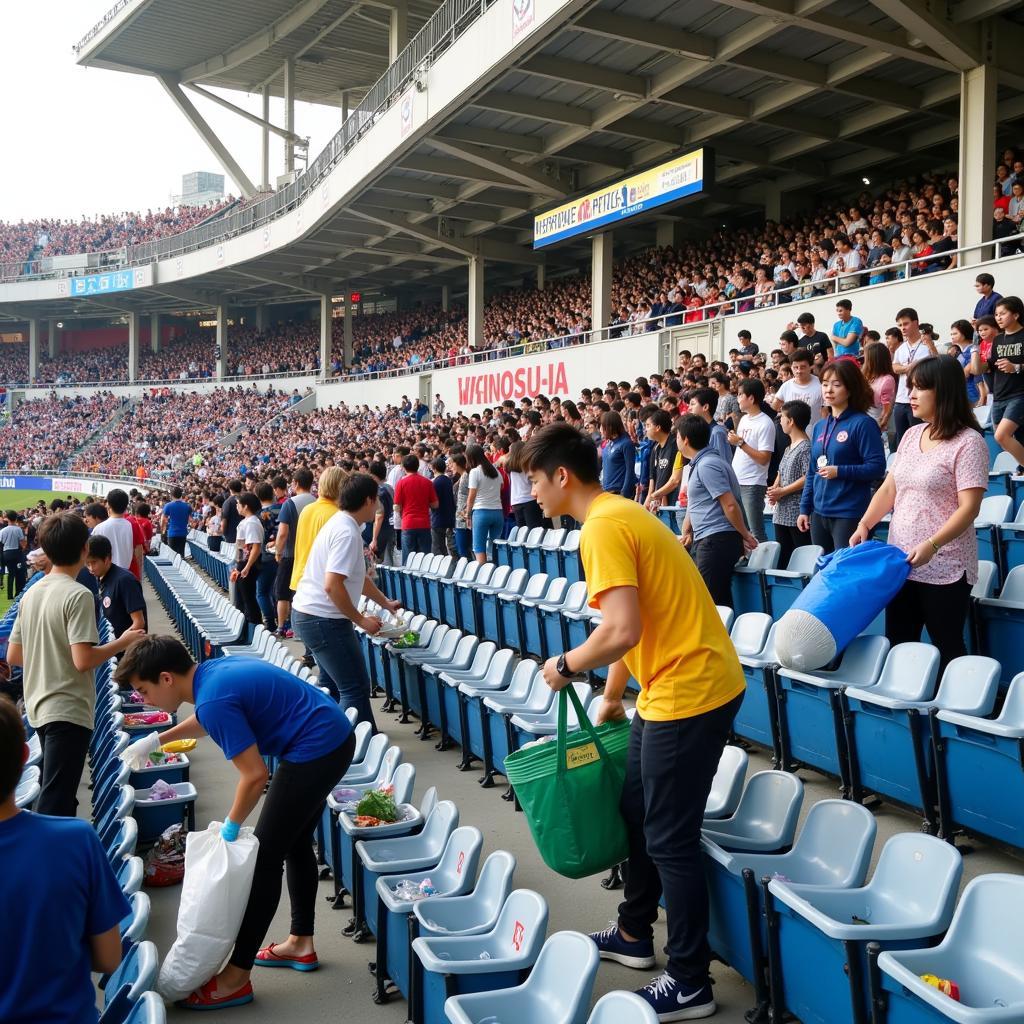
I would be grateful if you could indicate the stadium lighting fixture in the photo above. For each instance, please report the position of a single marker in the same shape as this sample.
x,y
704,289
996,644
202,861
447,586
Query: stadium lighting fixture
x,y
60,325
867,181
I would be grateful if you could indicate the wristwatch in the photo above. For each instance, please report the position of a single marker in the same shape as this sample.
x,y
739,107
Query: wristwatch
x,y
562,668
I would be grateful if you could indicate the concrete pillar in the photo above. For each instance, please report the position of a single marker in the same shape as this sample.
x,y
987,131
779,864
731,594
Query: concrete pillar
x,y
476,302
134,323
289,114
540,277
154,332
325,335
221,313
601,280
265,141
346,334
52,336
446,297
977,159
398,31
33,351
344,97
261,318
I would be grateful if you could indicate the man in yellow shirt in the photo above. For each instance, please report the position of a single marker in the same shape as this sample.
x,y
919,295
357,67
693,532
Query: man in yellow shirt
x,y
660,626
313,517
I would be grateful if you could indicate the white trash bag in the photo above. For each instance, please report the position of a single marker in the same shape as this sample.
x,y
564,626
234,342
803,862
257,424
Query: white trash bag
x,y
214,893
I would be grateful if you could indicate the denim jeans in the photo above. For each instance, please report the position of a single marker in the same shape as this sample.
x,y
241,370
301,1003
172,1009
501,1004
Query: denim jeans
x,y
265,592
752,496
340,659
487,526
464,542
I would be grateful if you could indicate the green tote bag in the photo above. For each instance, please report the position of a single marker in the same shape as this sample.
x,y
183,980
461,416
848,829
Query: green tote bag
x,y
570,790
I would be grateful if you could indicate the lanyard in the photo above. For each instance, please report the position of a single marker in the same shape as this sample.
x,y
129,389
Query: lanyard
x,y
912,352
826,434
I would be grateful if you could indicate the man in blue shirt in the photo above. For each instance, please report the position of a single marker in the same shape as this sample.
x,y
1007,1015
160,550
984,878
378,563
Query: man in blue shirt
x,y
175,521
847,331
121,597
60,899
252,709
988,297
442,517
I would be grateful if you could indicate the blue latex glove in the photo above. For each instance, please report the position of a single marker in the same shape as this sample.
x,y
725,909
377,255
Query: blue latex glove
x,y
229,830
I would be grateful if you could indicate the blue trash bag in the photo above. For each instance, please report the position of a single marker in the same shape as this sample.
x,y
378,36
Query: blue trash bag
x,y
843,598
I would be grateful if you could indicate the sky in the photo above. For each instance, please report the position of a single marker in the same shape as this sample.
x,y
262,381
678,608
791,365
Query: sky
x,y
79,141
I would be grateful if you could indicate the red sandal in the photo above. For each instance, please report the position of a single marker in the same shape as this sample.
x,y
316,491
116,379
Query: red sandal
x,y
266,957
204,999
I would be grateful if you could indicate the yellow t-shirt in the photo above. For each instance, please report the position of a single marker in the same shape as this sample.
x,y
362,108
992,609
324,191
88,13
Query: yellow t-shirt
x,y
685,662
311,521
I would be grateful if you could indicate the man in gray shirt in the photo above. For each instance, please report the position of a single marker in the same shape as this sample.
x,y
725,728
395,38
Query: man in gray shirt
x,y
12,541
714,529
284,547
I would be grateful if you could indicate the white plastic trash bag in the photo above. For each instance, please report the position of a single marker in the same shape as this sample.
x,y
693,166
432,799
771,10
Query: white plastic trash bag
x,y
218,877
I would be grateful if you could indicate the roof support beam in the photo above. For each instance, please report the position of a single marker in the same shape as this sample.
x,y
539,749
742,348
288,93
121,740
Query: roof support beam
x,y
446,167
541,110
407,227
500,163
254,118
489,137
958,45
591,75
207,134
975,10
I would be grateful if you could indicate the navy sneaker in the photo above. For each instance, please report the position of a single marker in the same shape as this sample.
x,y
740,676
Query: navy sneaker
x,y
612,946
675,1000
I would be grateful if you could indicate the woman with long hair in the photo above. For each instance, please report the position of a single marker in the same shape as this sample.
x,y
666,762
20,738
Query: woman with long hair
x,y
878,372
934,490
961,337
524,506
618,457
483,502
460,481
847,457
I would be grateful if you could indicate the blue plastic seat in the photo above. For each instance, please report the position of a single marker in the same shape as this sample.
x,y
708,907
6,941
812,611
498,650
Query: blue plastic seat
x,y
453,875
783,586
486,962
134,925
500,711
441,650
983,952
544,558
468,613
489,607
502,548
556,992
366,769
511,687
528,726
448,608
757,719
474,913
554,634
889,738
432,582
727,786
622,1008
129,871
430,685
568,556
818,935
531,616
1000,622
810,715
979,772
748,586
134,976
511,627
148,1010
487,661
994,512
1011,541
27,790
765,818
519,553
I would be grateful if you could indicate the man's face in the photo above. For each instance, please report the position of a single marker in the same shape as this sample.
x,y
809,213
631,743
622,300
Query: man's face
x,y
908,327
92,522
550,492
98,567
696,409
158,694
843,313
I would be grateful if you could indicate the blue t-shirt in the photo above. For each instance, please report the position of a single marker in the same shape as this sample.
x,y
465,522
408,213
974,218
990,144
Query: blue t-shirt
x,y
443,517
178,513
57,885
241,701
843,329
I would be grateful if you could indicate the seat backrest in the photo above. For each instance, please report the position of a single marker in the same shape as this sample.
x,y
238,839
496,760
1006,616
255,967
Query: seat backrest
x,y
969,685
862,662
498,576
749,632
447,647
996,508
983,414
769,797
986,585
493,884
458,864
426,631
136,972
564,973
989,920
536,586
728,780
465,651
725,613
920,874
461,568
470,571
553,540
836,843
437,638
417,622
483,657
352,714
1004,462
537,700
148,1010
765,556
522,924
428,802
516,581
803,559
909,673
483,574
575,597
1019,517
622,1008
572,541
518,534
440,824
535,537
1013,587
392,759
403,780
447,567
1013,706
522,679
556,590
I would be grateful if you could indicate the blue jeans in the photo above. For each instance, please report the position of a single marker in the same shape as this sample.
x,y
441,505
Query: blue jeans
x,y
488,524
415,540
464,542
340,659
265,583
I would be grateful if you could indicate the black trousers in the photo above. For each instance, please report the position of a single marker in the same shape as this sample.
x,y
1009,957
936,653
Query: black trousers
x,y
178,544
529,514
245,595
442,540
903,420
669,772
831,532
291,810
716,557
789,538
941,608
415,540
65,748
14,566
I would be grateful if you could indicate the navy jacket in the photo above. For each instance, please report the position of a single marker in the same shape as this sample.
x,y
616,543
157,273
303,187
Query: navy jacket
x,y
618,467
855,448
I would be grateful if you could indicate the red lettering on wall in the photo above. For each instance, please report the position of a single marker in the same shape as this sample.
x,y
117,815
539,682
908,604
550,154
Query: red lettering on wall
x,y
526,382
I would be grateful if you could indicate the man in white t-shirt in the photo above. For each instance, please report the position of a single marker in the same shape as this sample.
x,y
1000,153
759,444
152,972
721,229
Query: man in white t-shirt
x,y
754,441
248,549
325,608
804,387
916,346
117,531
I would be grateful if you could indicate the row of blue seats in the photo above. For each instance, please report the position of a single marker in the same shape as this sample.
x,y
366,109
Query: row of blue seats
x,y
217,564
555,552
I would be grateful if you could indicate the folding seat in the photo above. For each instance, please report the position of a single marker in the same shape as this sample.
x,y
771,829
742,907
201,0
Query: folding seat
x,y
459,964
749,593
818,936
810,715
979,770
403,661
622,1008
148,1010
121,841
403,575
557,991
834,849
757,719
578,626
134,924
447,601
529,726
135,975
995,511
474,913
442,567
512,684
467,611
568,558
542,559
503,548
384,657
783,586
889,740
1004,465
128,870
726,614
531,617
500,709
727,786
1000,622
430,684
453,875
983,953
369,764
488,663
518,552
555,622
27,790
988,578
510,613
765,818
488,618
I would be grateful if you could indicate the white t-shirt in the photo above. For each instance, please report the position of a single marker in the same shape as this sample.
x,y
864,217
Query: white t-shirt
x,y
907,354
250,531
810,393
759,432
520,491
488,490
338,548
119,533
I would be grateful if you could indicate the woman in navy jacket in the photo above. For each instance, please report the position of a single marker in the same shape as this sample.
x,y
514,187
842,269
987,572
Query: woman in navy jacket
x,y
847,457
618,459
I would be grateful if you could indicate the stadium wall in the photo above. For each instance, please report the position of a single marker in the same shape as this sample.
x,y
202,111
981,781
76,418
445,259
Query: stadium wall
x,y
57,484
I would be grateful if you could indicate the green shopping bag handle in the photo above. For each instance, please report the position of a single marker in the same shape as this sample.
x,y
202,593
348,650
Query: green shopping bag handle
x,y
566,694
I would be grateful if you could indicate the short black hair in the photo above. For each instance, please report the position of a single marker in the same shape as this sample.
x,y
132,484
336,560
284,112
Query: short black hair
x,y
279,483
708,397
560,445
379,470
235,486
99,547
249,501
176,492
117,500
356,491
12,747
986,279
411,463
802,355
805,318
661,420
96,510
753,389
846,303
799,412
909,312
63,537
1013,305
148,657
264,491
303,478
694,430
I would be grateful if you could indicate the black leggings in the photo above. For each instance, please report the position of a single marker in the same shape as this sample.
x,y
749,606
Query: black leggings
x,y
291,810
65,748
245,594
529,514
789,538
941,608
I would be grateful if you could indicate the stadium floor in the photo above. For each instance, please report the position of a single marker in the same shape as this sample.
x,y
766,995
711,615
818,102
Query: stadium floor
x,y
341,989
